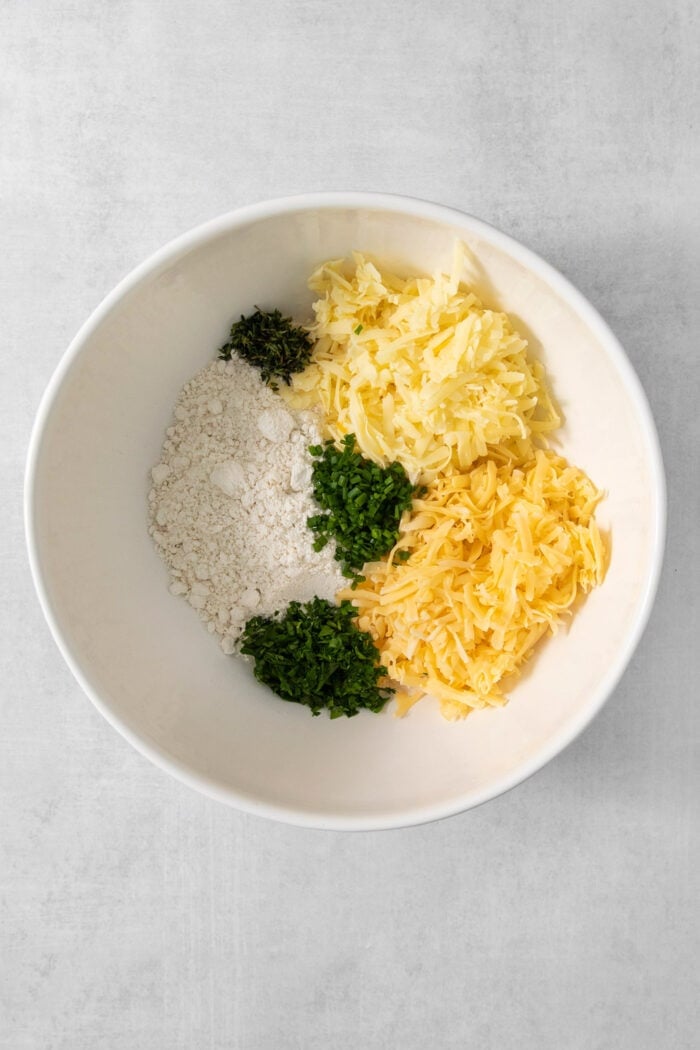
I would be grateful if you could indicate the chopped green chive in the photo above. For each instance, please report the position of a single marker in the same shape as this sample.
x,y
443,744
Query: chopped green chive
x,y
362,504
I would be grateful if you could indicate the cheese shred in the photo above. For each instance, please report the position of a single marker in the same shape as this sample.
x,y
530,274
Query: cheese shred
x,y
420,371
497,557
502,538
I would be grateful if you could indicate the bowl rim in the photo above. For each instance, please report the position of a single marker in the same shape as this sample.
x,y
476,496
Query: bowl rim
x,y
414,207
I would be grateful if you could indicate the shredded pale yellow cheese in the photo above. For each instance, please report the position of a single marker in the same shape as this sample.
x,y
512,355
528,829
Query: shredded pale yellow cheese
x,y
497,556
420,371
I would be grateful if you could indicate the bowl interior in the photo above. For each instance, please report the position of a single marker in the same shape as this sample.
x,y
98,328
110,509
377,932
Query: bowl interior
x,y
144,656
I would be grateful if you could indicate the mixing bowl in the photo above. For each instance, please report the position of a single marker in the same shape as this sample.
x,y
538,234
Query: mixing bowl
x,y
144,658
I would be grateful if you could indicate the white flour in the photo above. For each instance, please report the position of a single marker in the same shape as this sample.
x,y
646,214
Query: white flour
x,y
230,499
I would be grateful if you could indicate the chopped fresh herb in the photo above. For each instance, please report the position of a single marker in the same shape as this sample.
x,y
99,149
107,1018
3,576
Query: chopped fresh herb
x,y
314,654
362,504
358,329
272,343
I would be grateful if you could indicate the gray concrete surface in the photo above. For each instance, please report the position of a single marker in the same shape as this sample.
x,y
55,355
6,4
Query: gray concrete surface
x,y
135,914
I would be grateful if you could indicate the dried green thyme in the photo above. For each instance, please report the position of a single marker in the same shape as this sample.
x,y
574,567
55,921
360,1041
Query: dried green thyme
x,y
270,342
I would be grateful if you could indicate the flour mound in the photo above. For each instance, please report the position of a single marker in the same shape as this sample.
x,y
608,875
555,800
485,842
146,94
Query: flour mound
x,y
229,501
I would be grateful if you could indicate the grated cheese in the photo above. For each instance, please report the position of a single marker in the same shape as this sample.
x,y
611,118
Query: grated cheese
x,y
498,555
420,371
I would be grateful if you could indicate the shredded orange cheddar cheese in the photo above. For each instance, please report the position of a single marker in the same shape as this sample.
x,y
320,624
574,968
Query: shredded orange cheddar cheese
x,y
498,555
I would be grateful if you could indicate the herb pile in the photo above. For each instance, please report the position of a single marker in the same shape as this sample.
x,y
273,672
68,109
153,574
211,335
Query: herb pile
x,y
362,504
271,343
315,655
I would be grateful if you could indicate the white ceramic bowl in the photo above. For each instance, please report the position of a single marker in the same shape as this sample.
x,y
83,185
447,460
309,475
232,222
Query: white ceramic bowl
x,y
144,658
